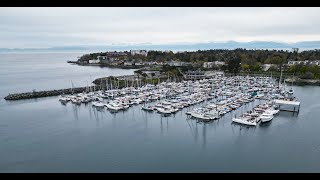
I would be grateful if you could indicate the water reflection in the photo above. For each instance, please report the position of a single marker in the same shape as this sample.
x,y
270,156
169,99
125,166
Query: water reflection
x,y
63,103
161,127
98,113
265,124
193,126
166,119
288,114
75,111
204,135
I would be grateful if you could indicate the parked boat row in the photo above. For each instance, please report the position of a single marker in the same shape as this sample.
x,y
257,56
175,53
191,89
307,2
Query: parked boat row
x,y
221,94
262,112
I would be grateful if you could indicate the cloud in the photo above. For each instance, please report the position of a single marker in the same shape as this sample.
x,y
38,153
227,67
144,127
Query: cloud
x,y
46,27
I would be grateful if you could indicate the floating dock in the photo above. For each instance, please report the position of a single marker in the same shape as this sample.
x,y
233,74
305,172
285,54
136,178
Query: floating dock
x,y
285,105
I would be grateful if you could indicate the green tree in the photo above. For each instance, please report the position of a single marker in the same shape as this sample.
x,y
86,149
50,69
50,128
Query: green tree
x,y
245,67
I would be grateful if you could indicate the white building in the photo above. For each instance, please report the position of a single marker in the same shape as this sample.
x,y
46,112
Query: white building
x,y
94,61
138,64
208,64
128,63
102,57
315,62
150,63
212,64
305,62
140,52
174,63
266,67
214,73
219,63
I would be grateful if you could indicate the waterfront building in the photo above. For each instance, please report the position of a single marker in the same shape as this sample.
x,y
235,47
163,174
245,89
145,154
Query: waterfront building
x,y
128,63
94,61
194,75
210,74
102,57
138,64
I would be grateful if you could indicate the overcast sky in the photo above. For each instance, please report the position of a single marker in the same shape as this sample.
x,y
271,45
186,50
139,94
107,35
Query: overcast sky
x,y
47,27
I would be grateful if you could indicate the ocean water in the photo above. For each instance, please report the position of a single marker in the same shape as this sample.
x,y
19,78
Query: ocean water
x,y
42,135
26,72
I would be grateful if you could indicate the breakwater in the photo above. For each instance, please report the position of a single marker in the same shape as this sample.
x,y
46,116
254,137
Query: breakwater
x,y
106,83
38,94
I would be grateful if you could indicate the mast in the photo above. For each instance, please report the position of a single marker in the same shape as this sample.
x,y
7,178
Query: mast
x,y
100,84
118,83
87,88
111,84
71,87
280,78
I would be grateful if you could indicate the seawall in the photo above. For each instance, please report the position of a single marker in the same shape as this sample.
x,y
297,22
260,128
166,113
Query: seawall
x,y
38,94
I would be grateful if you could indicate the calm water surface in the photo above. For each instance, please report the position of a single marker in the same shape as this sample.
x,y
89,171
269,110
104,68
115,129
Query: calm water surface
x,y
41,135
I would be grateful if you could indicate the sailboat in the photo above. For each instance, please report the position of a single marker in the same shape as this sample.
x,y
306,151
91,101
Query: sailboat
x,y
98,104
63,99
291,90
147,108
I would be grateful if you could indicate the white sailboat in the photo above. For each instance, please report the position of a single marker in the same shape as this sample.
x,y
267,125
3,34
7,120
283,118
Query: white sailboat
x,y
114,106
97,104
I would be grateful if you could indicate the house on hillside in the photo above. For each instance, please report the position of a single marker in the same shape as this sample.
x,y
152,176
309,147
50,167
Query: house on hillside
x,y
128,63
266,67
305,62
139,52
94,61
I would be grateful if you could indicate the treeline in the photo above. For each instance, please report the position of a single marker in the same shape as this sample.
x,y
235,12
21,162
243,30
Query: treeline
x,y
305,71
246,56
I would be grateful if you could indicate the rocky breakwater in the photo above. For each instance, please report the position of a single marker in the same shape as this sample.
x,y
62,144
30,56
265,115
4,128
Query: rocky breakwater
x,y
38,94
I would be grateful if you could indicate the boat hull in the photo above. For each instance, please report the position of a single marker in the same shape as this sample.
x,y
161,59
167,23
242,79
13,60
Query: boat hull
x,y
245,122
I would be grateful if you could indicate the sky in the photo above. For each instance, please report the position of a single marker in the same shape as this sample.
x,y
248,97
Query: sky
x,y
42,27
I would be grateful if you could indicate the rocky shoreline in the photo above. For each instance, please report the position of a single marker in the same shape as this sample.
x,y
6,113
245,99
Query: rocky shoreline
x,y
106,65
303,82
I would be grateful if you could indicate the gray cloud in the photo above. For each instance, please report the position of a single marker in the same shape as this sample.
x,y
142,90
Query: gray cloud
x,y
46,27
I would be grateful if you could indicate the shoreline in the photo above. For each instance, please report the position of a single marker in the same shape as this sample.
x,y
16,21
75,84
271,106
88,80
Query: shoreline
x,y
303,82
107,65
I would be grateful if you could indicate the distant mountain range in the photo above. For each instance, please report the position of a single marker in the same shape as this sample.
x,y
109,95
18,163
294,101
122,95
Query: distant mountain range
x,y
303,45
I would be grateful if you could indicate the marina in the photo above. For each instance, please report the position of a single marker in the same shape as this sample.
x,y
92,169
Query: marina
x,y
220,94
